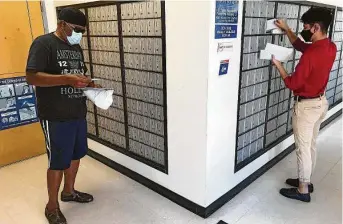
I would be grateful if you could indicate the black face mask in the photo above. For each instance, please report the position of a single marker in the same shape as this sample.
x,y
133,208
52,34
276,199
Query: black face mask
x,y
307,35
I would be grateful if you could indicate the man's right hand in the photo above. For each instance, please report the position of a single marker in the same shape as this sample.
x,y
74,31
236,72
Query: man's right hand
x,y
282,24
78,81
284,27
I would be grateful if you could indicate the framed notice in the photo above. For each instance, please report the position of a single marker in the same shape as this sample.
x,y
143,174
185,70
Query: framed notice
x,y
226,19
227,12
17,103
226,31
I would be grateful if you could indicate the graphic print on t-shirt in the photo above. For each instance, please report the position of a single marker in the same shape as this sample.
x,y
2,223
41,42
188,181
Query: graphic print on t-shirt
x,y
70,62
51,55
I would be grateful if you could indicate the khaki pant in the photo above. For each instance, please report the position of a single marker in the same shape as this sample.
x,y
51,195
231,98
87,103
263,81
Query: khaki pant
x,y
307,117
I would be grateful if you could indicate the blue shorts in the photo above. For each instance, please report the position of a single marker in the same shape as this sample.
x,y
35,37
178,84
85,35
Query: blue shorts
x,y
65,141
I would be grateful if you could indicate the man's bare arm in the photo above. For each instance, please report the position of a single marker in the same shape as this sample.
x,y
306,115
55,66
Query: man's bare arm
x,y
42,79
291,35
298,44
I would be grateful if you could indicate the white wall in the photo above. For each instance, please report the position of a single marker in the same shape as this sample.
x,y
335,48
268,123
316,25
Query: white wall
x,y
222,113
187,73
187,94
222,121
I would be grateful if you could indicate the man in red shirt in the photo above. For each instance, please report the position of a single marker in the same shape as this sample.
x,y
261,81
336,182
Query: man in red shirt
x,y
308,83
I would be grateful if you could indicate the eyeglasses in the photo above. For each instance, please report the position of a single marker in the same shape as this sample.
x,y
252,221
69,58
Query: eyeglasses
x,y
76,29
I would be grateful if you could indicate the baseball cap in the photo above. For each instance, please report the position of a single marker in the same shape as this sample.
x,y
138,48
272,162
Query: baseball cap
x,y
73,16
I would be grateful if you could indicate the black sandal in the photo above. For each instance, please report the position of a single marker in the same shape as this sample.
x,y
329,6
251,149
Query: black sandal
x,y
77,196
55,217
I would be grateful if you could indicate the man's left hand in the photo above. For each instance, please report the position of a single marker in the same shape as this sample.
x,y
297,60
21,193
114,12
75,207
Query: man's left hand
x,y
280,68
275,62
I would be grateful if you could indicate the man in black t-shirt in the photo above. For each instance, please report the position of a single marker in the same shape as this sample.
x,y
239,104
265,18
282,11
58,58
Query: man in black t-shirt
x,y
56,67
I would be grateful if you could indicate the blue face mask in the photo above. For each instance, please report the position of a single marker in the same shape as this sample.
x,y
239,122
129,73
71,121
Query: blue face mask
x,y
75,38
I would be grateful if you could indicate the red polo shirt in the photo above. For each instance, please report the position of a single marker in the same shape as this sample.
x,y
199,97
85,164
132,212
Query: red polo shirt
x,y
312,73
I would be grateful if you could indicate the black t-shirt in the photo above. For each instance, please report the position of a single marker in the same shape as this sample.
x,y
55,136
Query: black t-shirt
x,y
51,55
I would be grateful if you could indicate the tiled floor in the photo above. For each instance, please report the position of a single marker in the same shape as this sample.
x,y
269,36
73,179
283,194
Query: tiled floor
x,y
120,200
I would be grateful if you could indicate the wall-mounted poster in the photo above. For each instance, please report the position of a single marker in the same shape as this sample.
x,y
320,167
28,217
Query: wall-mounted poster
x,y
226,19
226,31
17,103
224,67
226,11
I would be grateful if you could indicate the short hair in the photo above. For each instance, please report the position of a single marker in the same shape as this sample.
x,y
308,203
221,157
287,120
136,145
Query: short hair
x,y
322,16
73,16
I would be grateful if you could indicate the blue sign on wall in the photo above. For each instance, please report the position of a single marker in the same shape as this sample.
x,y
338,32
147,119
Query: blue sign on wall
x,y
226,11
17,103
225,31
223,67
226,19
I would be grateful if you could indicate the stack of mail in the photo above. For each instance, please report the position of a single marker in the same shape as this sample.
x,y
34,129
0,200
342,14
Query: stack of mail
x,y
283,54
101,97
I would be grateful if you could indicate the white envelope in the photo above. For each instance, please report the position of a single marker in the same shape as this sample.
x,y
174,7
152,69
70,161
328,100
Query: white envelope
x,y
277,31
271,27
265,55
281,53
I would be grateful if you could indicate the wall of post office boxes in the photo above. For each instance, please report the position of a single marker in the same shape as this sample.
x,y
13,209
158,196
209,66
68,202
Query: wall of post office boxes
x,y
334,87
125,47
265,105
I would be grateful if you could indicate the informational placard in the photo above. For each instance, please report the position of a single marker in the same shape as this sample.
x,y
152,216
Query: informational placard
x,y
17,103
226,11
226,31
226,19
225,47
224,67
